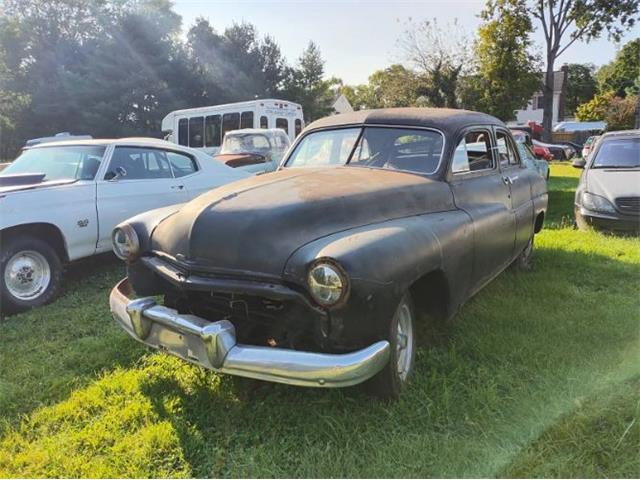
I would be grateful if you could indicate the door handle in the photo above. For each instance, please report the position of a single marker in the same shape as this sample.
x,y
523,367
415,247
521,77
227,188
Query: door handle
x,y
506,180
177,187
513,179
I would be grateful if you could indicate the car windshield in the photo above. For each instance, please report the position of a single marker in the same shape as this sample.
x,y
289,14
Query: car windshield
x,y
413,150
247,143
77,162
618,153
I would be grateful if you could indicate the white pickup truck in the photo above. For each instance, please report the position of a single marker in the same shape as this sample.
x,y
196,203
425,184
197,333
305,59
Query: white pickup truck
x,y
60,202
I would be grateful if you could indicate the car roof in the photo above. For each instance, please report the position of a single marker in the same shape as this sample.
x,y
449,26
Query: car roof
x,y
448,120
136,141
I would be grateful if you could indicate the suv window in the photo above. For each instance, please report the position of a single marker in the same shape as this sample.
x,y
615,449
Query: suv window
x,y
506,152
139,164
181,164
473,153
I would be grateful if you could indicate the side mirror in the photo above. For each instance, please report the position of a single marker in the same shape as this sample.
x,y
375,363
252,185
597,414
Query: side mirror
x,y
579,163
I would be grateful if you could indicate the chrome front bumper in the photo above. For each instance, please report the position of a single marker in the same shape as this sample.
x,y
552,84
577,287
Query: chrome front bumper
x,y
213,345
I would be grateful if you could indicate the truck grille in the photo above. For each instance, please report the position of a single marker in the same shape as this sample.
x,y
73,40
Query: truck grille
x,y
629,205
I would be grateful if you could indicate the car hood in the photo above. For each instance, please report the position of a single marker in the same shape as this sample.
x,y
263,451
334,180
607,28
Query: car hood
x,y
254,225
613,183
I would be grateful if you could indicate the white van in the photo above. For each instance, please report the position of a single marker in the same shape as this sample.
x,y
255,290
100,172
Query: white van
x,y
204,127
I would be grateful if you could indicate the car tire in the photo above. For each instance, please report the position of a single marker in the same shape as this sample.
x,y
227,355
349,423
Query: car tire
x,y
30,274
523,261
392,379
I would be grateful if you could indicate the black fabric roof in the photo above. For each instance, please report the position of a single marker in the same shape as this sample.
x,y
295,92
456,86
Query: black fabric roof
x,y
447,120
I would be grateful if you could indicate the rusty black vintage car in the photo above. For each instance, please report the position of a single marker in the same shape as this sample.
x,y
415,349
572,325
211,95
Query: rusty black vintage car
x,y
315,274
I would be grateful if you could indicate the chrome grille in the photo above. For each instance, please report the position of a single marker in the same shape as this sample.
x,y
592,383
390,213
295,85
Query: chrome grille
x,y
628,204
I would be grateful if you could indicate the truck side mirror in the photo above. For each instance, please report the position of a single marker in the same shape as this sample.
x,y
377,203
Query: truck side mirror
x,y
579,163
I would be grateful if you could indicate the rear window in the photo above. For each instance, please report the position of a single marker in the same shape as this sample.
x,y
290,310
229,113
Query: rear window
x,y
412,150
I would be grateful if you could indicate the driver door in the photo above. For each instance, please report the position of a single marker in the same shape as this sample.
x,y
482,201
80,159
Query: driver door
x,y
138,179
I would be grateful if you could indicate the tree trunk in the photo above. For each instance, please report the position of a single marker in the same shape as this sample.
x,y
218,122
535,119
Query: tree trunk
x,y
547,101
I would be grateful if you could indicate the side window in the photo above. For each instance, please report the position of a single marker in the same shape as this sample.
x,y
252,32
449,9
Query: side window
x,y
212,131
183,132
283,124
298,127
473,153
246,120
196,132
506,151
264,122
181,164
230,121
139,164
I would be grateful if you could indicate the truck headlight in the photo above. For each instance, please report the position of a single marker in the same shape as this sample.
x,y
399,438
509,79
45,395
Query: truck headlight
x,y
126,244
327,283
596,203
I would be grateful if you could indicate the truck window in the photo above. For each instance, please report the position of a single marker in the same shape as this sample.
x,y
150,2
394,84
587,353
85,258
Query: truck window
x,y
183,132
298,127
246,120
212,131
264,122
230,121
196,132
283,124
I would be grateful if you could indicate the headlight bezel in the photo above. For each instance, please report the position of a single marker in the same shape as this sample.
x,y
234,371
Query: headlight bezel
x,y
131,244
596,203
339,271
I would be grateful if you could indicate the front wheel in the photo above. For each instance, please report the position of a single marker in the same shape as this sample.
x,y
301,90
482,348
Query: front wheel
x,y
391,380
31,274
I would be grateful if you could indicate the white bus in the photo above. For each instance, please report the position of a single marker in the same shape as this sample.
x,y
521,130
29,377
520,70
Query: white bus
x,y
205,127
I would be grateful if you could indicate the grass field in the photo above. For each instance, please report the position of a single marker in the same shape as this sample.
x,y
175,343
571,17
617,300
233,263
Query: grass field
x,y
540,377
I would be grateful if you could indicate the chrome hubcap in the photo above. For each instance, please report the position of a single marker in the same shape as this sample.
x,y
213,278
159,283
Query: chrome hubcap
x,y
27,275
404,341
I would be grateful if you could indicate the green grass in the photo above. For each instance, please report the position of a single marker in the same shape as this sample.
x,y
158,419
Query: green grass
x,y
540,376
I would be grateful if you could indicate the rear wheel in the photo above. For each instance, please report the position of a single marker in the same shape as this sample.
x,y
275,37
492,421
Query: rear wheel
x,y
391,380
31,274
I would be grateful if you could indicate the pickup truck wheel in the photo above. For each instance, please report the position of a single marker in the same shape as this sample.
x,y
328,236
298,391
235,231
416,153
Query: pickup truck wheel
x,y
31,274
390,381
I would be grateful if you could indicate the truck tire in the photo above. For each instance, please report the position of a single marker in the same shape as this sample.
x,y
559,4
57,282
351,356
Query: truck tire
x,y
391,380
30,274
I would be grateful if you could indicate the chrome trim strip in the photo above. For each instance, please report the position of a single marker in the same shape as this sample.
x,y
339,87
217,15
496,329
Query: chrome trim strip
x,y
213,345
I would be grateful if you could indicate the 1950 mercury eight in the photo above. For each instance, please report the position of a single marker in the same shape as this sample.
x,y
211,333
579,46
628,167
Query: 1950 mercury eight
x,y
313,275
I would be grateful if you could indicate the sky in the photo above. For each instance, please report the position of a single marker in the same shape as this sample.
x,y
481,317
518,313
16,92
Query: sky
x,y
355,37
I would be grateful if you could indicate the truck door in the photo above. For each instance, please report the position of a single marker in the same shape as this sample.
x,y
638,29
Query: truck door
x,y
479,190
137,179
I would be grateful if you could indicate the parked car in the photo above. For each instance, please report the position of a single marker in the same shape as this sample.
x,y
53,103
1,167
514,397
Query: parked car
x,y
253,149
539,151
314,275
568,127
60,201
588,145
529,160
559,152
608,195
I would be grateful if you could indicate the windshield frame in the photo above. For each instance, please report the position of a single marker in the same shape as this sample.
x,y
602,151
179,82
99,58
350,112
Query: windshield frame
x,y
362,126
598,147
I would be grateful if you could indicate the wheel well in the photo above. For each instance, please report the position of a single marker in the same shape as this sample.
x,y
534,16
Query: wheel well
x,y
539,222
44,231
430,294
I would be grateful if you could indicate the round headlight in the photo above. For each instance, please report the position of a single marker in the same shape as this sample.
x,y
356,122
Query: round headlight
x,y
327,284
125,241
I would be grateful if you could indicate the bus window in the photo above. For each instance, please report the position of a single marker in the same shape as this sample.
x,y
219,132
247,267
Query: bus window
x,y
230,121
298,126
195,132
183,132
246,120
264,122
212,131
283,124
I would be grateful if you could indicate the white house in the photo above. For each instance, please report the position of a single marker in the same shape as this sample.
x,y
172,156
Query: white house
x,y
341,104
534,110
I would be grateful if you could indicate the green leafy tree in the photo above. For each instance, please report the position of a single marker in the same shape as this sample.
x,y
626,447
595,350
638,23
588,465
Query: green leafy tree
x,y
595,109
395,86
566,21
506,69
618,112
581,86
622,75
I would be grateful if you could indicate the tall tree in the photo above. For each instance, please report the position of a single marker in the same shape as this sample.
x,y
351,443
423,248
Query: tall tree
x,y
395,86
581,86
566,21
622,75
506,69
